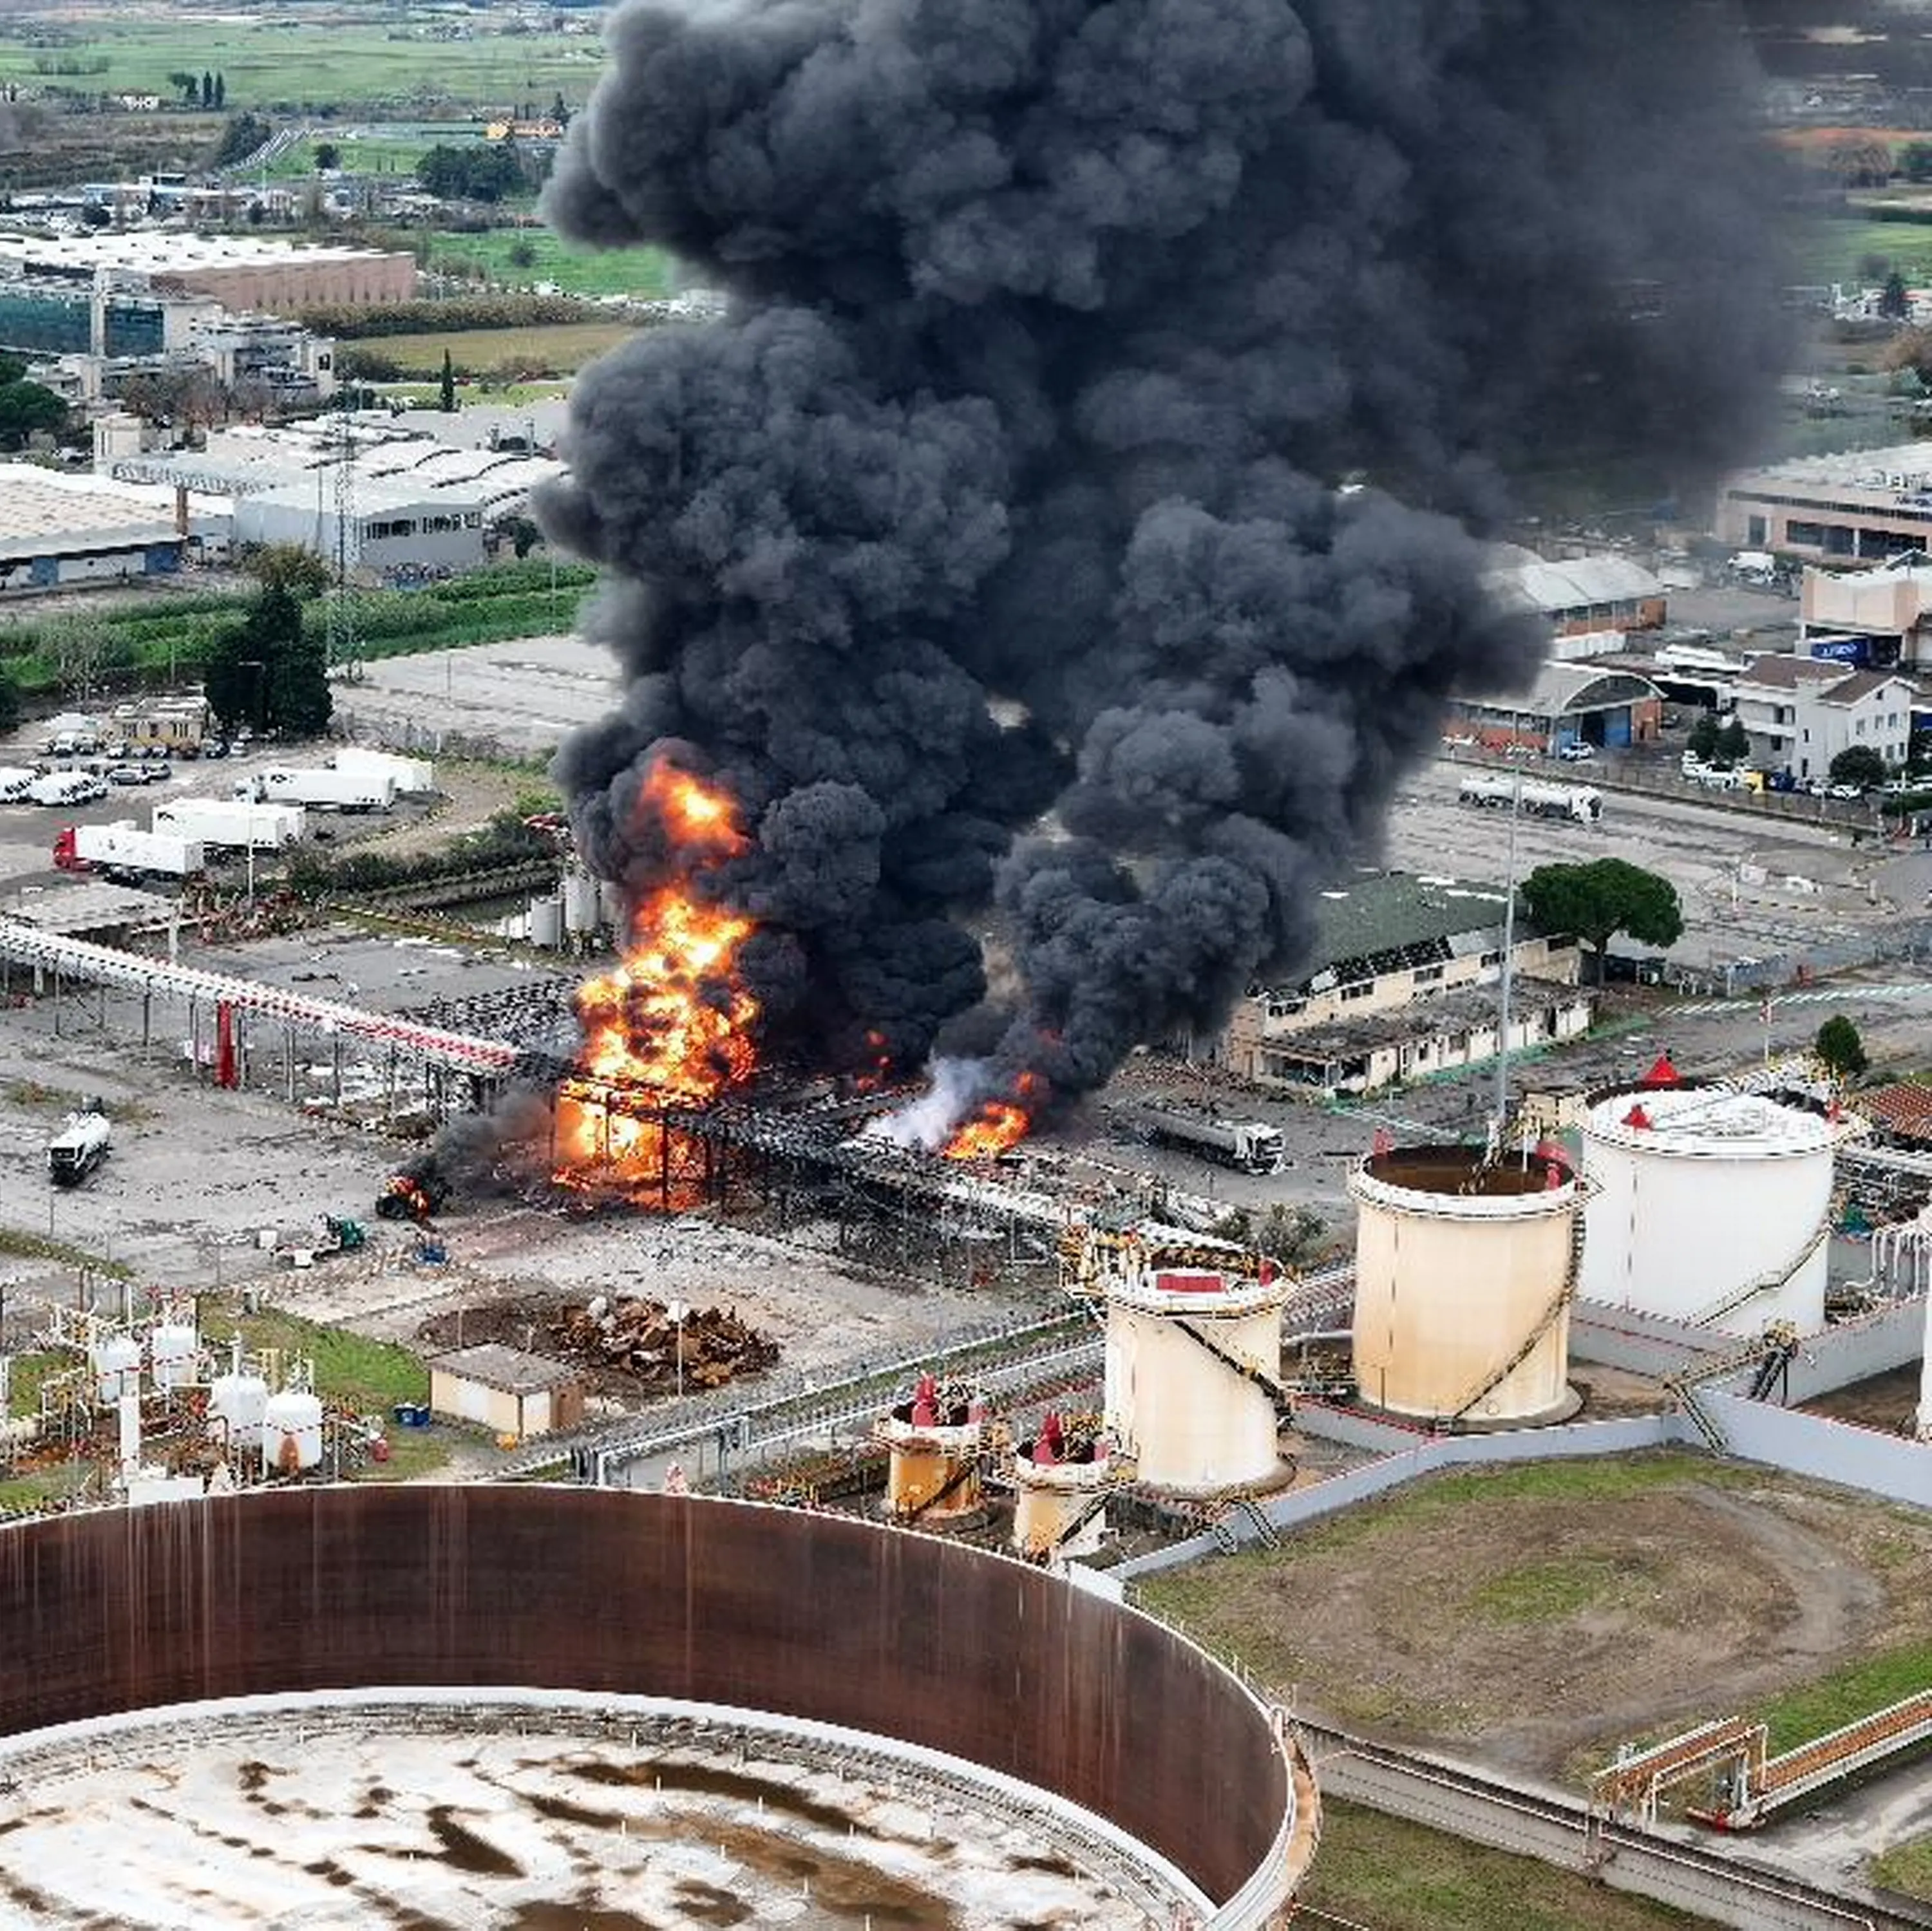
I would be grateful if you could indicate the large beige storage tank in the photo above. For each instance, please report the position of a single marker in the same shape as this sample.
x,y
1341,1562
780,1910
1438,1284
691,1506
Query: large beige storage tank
x,y
1464,1274
1708,1207
1192,1356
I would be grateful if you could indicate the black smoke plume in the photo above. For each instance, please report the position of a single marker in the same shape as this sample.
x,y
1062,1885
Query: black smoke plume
x,y
1077,509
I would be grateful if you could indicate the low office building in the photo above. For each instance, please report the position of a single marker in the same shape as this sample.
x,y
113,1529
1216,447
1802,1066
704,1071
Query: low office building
x,y
1878,619
1395,947
1868,504
1802,712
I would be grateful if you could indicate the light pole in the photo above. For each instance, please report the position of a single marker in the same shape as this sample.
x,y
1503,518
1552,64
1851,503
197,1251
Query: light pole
x,y
679,1313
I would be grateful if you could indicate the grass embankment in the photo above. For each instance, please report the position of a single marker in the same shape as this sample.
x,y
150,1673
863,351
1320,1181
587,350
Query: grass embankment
x,y
1833,249
370,1376
1384,1874
17,1244
1907,1868
24,1377
164,639
271,64
1871,1684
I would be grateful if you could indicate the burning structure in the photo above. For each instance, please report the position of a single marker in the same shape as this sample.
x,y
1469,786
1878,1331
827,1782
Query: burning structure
x,y
1075,511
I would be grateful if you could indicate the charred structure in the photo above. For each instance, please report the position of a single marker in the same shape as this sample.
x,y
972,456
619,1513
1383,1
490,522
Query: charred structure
x,y
1074,510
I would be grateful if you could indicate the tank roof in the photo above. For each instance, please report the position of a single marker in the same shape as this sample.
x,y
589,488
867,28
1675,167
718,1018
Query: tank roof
x,y
1707,1122
1463,1172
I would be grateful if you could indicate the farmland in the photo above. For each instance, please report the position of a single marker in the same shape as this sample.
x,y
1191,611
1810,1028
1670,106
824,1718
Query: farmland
x,y
500,355
279,63
524,257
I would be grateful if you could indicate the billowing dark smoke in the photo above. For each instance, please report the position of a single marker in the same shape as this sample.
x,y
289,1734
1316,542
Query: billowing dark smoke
x,y
1074,510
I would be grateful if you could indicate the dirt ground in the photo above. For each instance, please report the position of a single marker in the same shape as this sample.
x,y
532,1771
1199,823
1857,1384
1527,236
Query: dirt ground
x,y
1537,1617
1887,1402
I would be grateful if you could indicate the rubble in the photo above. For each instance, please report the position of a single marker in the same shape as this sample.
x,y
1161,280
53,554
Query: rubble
x,y
639,1336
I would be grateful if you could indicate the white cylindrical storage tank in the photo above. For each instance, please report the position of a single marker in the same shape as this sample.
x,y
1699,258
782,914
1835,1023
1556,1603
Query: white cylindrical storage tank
x,y
1183,1346
610,903
172,1349
1464,1274
239,1403
1709,1207
547,922
292,1431
580,902
117,1367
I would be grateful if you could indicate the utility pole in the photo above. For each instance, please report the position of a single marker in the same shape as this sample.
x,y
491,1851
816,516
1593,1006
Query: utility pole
x,y
1500,1124
343,651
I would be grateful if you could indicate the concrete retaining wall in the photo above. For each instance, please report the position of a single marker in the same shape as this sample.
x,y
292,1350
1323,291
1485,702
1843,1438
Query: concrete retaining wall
x,y
1832,1451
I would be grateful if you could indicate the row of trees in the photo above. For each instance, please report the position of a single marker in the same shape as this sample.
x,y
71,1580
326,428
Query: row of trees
x,y
205,89
492,172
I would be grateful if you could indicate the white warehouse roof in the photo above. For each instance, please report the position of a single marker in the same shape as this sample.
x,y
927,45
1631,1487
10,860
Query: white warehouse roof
x,y
49,512
1581,582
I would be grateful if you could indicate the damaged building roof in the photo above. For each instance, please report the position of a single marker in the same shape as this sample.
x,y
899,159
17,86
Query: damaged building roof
x,y
1375,921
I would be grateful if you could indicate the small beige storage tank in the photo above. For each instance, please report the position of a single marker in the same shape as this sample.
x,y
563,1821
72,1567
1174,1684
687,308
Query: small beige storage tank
x,y
1709,1206
1464,1274
1060,1491
935,1441
1193,1361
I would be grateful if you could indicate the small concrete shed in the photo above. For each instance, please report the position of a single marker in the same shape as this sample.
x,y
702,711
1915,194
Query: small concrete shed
x,y
509,1392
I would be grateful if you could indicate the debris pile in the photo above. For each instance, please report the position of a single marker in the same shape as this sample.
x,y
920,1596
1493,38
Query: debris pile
x,y
639,1337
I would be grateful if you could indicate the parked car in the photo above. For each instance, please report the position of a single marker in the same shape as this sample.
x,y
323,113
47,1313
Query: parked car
x,y
1846,791
126,774
1576,751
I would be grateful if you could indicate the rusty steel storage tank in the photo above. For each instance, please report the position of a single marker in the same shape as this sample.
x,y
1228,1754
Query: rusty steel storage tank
x,y
934,1441
1193,1371
1465,1268
735,1611
1060,1484
1708,1207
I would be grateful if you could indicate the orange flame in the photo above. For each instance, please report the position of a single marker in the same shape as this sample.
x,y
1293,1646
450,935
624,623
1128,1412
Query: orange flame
x,y
997,1124
672,1015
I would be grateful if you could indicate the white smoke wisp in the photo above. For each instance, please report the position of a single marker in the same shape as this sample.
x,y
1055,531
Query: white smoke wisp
x,y
930,1121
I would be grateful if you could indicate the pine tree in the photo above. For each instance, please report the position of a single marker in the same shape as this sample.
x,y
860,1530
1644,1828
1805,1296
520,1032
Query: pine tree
x,y
221,90
449,385
207,88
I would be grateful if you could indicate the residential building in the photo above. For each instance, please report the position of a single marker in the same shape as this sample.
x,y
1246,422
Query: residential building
x,y
1396,988
1802,712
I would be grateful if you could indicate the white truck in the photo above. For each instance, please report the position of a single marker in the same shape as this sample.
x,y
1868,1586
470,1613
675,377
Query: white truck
x,y
326,789
1540,800
124,851
78,1147
64,787
407,776
1252,1145
14,780
226,823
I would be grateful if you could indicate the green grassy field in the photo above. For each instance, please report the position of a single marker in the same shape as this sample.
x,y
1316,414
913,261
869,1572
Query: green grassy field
x,y
1383,1874
1871,1684
1832,250
498,255
544,351
379,151
274,64
370,1376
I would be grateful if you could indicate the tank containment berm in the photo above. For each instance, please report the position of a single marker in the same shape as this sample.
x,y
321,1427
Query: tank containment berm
x,y
821,1618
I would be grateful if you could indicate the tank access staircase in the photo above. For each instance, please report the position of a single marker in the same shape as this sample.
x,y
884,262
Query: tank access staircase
x,y
1770,1784
1768,1283
1273,1385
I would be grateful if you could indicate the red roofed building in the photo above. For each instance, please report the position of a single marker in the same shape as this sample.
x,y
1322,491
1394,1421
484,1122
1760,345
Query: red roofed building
x,y
1901,1112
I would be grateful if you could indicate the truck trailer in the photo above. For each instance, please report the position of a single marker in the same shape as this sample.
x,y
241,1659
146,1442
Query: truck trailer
x,y
1252,1145
78,1147
406,776
1540,800
323,789
123,850
230,824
